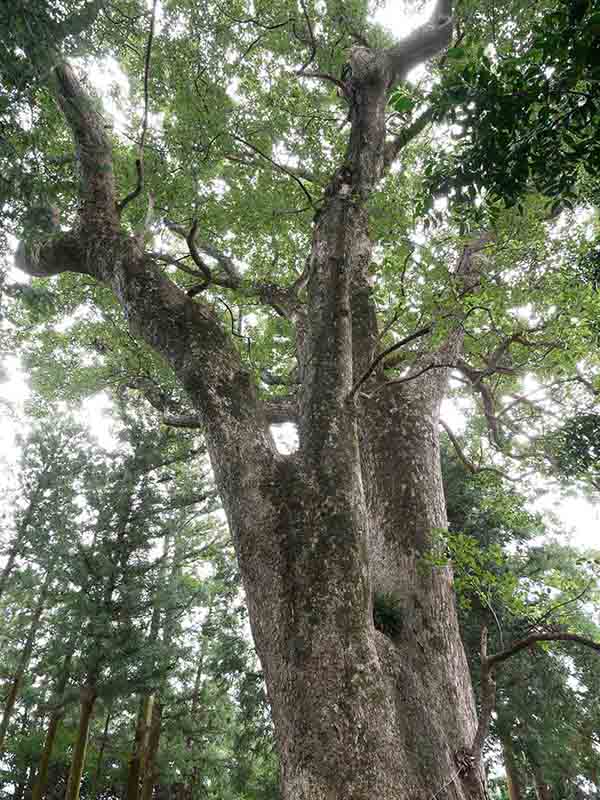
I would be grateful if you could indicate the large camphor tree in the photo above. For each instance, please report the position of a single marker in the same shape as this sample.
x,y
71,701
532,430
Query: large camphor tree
x,y
272,172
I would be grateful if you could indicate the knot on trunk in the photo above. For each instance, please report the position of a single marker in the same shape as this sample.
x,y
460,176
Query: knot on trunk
x,y
365,64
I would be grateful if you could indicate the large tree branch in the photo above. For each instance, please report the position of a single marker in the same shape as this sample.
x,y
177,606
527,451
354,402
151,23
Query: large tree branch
x,y
284,300
98,207
406,135
422,44
530,641
488,667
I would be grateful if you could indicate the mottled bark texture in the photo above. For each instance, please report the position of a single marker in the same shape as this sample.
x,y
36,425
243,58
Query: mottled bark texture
x,y
357,714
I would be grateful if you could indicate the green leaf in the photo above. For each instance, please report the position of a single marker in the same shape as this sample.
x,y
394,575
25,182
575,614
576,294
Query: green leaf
x,y
403,104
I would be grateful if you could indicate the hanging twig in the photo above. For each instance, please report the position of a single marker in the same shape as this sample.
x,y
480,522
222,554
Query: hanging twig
x,y
313,44
233,330
278,166
139,162
396,346
469,465
198,261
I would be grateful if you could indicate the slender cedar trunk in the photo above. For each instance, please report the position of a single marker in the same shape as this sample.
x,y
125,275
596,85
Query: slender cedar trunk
x,y
10,563
151,773
40,784
187,788
19,539
137,758
100,762
357,714
136,765
543,791
513,779
87,701
24,660
165,613
22,781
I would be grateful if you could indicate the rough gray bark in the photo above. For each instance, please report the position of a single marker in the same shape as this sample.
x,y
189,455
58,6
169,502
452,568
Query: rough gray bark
x,y
357,714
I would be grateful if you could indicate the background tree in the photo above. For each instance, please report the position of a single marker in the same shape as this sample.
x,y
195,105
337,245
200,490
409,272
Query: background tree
x,y
515,583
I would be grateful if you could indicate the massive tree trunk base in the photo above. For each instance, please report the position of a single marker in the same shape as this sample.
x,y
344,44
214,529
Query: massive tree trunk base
x,y
384,737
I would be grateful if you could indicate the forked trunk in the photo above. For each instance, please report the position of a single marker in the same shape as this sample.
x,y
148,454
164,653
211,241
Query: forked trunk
x,y
87,701
359,713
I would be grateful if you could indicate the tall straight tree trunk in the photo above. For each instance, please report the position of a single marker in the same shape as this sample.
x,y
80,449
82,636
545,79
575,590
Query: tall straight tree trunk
x,y
139,749
187,787
87,701
543,791
513,779
24,659
165,614
40,784
322,533
100,762
20,534
150,773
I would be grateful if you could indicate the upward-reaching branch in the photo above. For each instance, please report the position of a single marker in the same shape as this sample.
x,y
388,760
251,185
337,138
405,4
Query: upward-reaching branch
x,y
97,187
423,43
186,333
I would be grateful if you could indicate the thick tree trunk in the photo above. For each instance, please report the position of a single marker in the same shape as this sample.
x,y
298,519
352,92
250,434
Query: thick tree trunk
x,y
87,701
357,714
24,659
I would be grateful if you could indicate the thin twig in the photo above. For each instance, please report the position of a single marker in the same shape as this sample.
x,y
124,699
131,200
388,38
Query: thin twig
x,y
416,375
313,44
554,608
396,346
139,162
202,266
472,468
278,166
233,330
